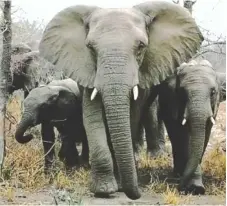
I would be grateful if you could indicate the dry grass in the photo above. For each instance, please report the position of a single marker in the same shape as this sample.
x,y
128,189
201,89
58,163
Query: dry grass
x,y
214,169
159,171
172,197
162,162
24,164
24,169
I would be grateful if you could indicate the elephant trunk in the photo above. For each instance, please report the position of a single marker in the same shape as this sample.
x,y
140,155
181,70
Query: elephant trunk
x,y
117,109
25,123
115,79
198,117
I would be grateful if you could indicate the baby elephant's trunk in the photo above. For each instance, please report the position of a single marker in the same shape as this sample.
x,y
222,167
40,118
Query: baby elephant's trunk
x,y
24,124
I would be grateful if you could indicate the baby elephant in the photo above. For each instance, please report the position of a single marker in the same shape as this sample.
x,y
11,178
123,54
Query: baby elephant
x,y
189,101
57,104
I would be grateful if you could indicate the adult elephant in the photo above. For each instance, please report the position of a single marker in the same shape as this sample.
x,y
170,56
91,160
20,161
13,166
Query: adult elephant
x,y
29,69
193,95
117,55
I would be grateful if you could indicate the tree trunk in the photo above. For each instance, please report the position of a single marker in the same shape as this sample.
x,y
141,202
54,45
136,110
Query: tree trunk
x,y
5,75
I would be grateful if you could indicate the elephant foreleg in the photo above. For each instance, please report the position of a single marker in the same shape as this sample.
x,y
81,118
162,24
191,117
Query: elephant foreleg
x,y
102,172
195,185
48,139
179,138
154,129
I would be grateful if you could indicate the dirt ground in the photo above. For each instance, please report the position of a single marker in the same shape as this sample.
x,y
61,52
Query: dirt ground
x,y
52,195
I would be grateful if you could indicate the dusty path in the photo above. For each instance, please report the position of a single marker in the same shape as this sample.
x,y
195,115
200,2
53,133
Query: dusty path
x,y
49,196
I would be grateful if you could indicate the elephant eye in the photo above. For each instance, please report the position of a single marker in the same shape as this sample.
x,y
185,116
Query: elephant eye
x,y
87,27
89,45
212,92
141,45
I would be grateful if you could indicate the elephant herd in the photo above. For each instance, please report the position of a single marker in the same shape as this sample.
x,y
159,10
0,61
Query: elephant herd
x,y
116,73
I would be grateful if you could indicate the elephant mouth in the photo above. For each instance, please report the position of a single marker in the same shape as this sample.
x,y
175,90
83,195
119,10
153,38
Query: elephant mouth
x,y
135,91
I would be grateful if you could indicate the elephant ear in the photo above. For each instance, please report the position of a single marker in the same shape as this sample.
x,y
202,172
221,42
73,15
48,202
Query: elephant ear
x,y
63,44
222,79
173,36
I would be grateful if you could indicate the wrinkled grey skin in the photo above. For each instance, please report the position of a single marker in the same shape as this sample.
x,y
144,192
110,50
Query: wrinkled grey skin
x,y
29,69
193,94
55,105
114,50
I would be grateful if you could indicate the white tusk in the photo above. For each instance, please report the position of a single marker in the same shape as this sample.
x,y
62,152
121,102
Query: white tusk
x,y
94,93
135,92
212,120
184,121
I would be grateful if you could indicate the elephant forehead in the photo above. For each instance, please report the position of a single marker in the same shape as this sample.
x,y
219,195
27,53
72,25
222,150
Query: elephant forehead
x,y
117,16
199,74
43,91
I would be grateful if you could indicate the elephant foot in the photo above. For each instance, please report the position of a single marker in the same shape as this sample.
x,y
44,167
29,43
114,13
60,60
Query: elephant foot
x,y
70,170
72,162
84,163
70,158
157,152
104,187
194,187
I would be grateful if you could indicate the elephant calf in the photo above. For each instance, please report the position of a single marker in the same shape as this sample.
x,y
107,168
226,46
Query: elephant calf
x,y
57,104
189,102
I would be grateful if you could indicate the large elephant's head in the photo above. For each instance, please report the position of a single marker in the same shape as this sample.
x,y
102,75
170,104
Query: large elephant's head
x,y
48,103
115,51
193,96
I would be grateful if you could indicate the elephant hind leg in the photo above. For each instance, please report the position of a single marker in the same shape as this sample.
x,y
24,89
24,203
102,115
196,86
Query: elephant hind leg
x,y
68,152
154,129
179,141
71,155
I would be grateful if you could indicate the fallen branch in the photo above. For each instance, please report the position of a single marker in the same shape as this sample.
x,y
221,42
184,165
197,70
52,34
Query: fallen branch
x,y
10,118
